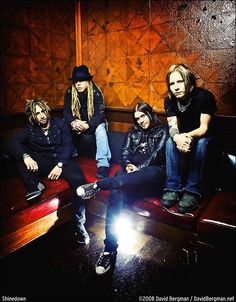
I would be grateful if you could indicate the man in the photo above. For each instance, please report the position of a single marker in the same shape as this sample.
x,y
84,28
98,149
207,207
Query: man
x,y
44,148
189,111
84,111
143,175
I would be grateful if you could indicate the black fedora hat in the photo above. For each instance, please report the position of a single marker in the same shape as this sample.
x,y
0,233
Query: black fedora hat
x,y
81,73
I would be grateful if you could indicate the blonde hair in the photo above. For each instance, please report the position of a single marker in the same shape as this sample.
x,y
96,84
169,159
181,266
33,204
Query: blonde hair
x,y
30,108
187,75
75,103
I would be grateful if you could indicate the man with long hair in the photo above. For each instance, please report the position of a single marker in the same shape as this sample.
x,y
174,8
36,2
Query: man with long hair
x,y
189,111
84,111
142,174
44,149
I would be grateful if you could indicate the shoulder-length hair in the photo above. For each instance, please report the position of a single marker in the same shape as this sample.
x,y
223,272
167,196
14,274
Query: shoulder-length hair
x,y
30,108
187,75
149,111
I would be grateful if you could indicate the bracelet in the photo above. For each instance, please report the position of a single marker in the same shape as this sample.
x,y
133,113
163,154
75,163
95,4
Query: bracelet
x,y
25,155
173,131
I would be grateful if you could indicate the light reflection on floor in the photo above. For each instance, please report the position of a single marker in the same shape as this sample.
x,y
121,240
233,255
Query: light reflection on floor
x,y
130,241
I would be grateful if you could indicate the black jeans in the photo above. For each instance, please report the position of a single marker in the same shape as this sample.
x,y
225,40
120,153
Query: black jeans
x,y
125,188
70,172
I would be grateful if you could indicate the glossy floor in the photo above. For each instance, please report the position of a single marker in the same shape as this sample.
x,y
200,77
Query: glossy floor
x,y
56,268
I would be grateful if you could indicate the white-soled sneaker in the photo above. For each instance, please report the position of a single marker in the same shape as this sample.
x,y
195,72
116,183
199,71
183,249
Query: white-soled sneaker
x,y
82,235
87,191
105,261
35,191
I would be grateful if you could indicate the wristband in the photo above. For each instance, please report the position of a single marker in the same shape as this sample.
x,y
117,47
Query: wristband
x,y
173,131
25,155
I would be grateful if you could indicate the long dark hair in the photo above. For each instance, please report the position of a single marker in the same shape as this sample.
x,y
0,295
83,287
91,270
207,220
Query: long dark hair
x,y
149,111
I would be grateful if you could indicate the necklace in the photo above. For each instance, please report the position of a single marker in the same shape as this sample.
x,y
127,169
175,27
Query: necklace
x,y
182,107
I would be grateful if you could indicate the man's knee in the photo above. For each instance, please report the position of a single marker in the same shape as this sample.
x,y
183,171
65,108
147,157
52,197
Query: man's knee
x,y
76,180
101,129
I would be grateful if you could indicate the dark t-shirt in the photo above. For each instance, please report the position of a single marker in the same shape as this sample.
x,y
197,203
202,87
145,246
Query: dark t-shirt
x,y
202,101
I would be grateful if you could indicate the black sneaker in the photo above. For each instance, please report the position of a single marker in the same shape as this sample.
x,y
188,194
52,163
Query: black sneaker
x,y
35,192
82,236
169,199
105,261
188,202
102,172
87,191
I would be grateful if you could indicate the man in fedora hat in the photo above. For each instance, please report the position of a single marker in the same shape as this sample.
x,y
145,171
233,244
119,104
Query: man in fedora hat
x,y
84,111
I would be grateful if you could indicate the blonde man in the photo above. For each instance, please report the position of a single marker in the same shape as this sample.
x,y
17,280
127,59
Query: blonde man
x,y
189,111
84,111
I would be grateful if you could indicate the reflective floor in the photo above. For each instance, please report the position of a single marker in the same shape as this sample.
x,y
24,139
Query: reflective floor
x,y
56,268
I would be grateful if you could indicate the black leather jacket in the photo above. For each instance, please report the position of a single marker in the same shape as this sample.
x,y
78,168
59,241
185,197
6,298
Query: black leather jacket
x,y
156,141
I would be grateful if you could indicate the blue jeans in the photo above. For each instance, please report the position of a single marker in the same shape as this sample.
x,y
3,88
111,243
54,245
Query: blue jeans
x,y
103,153
191,164
95,144
125,188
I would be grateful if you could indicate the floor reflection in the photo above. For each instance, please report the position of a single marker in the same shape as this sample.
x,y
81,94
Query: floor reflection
x,y
56,268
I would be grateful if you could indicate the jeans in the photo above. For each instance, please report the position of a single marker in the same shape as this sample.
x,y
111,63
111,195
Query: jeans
x,y
70,172
103,153
191,163
125,188
94,143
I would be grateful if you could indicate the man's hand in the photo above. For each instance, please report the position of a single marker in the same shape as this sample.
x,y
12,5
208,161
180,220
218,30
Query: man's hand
x,y
30,164
79,126
55,173
131,168
183,142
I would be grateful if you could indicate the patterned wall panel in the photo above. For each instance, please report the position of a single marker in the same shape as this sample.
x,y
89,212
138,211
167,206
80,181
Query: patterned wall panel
x,y
38,51
129,46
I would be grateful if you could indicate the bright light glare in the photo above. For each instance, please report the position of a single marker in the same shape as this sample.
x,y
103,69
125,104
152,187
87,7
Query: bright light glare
x,y
127,236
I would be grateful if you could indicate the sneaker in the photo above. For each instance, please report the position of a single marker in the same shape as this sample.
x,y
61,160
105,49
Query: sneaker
x,y
105,261
35,192
82,236
169,199
102,172
188,202
87,191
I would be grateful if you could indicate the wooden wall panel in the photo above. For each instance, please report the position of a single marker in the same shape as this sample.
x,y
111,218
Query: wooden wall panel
x,y
129,46
38,51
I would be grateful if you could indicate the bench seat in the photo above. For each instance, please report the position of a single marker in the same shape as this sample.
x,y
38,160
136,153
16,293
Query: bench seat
x,y
211,223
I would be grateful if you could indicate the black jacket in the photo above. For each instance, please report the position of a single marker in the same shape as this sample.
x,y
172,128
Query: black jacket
x,y
156,141
56,145
98,101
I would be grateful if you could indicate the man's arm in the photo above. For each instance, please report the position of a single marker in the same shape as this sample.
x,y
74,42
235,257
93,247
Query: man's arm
x,y
182,140
173,126
99,111
204,125
126,152
19,144
66,143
